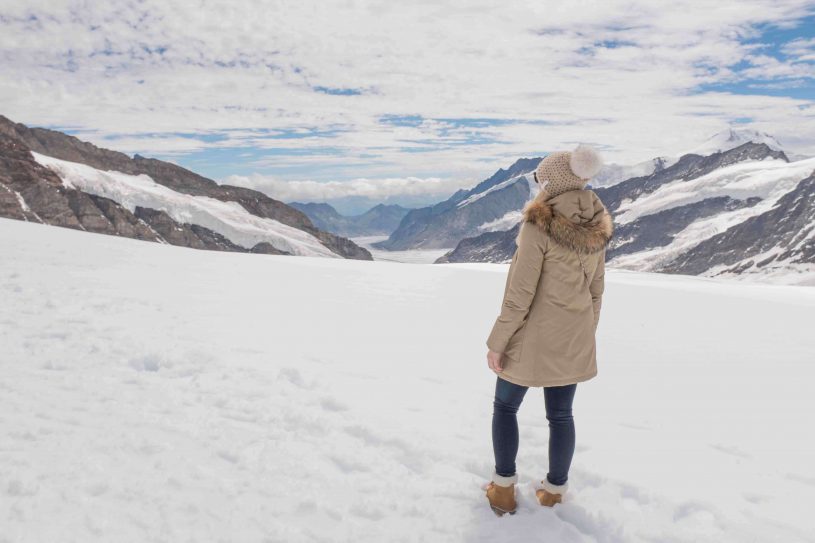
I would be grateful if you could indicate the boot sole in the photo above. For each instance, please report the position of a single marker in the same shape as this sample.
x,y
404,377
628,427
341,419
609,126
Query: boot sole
x,y
500,512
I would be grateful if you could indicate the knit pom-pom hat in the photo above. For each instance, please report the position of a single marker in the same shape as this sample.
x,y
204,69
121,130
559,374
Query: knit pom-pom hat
x,y
568,170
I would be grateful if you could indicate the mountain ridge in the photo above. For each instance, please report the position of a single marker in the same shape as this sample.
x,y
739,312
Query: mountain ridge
x,y
444,224
721,214
381,219
20,171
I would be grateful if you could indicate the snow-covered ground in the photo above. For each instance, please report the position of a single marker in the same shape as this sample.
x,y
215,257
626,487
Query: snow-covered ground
x,y
154,393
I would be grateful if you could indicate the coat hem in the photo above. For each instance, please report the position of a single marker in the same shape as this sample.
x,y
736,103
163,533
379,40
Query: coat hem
x,y
548,383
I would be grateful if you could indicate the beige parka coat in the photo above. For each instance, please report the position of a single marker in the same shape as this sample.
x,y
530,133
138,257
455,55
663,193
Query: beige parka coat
x,y
553,292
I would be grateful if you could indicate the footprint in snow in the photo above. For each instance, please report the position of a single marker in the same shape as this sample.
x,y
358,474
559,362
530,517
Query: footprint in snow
x,y
293,376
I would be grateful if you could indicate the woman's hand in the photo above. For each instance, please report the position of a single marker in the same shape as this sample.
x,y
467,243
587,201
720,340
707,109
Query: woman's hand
x,y
494,361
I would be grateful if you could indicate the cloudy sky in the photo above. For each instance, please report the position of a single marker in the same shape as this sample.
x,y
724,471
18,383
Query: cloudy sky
x,y
404,102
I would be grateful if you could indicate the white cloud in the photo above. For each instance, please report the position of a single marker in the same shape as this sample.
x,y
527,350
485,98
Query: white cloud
x,y
369,189
801,49
148,144
769,67
156,77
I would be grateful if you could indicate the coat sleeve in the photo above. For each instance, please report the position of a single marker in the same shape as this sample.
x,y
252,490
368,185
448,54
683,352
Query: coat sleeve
x,y
596,288
522,282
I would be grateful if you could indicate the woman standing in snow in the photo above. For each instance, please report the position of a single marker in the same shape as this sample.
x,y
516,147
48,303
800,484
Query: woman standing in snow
x,y
544,336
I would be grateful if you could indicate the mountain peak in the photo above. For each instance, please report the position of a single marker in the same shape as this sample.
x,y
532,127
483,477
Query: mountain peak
x,y
733,137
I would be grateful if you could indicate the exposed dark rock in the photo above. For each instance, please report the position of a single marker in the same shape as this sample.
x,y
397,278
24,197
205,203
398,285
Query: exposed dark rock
x,y
124,222
340,245
89,215
487,247
659,229
38,187
11,206
184,235
214,241
267,249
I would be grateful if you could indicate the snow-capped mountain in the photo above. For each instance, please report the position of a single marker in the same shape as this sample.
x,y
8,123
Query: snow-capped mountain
x,y
725,140
53,178
612,174
466,212
746,218
732,138
745,211
495,203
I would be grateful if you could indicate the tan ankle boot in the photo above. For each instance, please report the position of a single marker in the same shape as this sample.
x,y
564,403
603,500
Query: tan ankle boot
x,y
549,494
501,494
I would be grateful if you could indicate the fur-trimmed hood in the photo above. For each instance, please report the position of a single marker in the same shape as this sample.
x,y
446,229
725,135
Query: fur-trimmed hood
x,y
576,219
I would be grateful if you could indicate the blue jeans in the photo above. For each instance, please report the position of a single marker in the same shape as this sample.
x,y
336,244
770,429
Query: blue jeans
x,y
558,400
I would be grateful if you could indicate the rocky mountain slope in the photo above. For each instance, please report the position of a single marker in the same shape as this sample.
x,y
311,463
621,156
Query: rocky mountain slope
x,y
770,243
465,213
50,177
380,220
743,211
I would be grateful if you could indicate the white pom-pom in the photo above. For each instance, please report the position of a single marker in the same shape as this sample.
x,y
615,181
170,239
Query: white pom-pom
x,y
585,161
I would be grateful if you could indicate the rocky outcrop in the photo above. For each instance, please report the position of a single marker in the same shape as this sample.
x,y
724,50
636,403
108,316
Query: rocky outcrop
x,y
29,191
123,222
38,192
183,234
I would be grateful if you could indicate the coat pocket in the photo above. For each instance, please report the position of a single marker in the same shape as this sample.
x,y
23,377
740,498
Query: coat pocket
x,y
515,344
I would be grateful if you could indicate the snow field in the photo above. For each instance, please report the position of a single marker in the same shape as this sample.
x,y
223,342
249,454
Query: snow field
x,y
155,393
